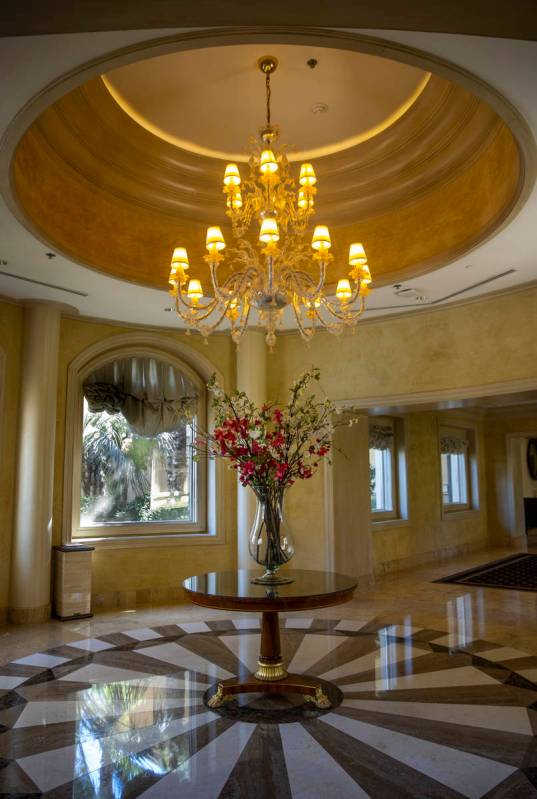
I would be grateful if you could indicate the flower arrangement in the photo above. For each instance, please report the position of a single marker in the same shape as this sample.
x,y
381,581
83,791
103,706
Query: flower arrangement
x,y
270,447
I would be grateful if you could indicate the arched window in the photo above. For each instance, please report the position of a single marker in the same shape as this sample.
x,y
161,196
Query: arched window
x,y
133,467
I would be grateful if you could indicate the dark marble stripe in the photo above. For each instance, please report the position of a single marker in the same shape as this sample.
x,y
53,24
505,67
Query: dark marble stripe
x,y
119,640
517,786
464,695
436,661
20,670
223,626
504,747
378,774
263,757
290,642
213,650
519,664
9,716
325,625
425,636
344,653
15,782
494,670
532,715
169,630
134,661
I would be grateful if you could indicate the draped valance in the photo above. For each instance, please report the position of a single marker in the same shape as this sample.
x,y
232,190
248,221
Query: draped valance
x,y
380,436
154,397
453,445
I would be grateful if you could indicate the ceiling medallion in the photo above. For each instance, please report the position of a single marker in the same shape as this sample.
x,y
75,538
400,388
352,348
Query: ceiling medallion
x,y
270,275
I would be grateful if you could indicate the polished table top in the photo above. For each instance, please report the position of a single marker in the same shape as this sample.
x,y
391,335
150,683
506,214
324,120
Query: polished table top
x,y
234,590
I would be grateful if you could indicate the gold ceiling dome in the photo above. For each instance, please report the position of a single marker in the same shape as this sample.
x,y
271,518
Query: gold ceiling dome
x,y
421,168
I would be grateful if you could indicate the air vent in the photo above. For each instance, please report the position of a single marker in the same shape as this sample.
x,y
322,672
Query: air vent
x,y
42,283
412,294
416,304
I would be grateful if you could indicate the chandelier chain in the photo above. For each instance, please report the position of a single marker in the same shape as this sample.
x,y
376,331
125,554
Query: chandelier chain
x,y
269,93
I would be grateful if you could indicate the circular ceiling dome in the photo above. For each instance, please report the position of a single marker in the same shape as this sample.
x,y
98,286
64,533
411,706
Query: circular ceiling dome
x,y
212,101
411,159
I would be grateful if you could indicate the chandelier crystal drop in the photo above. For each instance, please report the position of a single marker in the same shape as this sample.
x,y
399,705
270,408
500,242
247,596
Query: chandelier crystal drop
x,y
270,270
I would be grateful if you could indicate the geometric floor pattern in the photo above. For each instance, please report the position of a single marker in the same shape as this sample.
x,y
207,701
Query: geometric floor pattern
x,y
122,716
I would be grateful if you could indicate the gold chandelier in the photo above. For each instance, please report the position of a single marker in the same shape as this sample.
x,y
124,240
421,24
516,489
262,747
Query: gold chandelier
x,y
270,275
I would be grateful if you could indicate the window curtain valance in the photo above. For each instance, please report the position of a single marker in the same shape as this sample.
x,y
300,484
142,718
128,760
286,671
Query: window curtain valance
x,y
453,445
380,436
154,397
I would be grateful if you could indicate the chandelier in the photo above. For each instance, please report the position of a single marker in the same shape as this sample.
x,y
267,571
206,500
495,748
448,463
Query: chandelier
x,y
271,271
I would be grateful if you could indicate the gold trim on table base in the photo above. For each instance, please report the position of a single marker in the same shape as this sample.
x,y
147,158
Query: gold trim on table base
x,y
270,671
290,684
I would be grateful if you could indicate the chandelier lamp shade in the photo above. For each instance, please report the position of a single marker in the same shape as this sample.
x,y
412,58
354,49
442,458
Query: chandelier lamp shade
x,y
273,264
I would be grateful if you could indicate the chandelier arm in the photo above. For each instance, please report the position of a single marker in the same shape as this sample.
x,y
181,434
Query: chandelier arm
x,y
190,307
305,332
242,278
194,319
350,302
237,330
308,289
348,315
225,290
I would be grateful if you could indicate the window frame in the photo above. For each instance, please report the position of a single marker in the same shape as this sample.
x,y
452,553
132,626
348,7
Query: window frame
x,y
394,514
454,506
471,505
211,522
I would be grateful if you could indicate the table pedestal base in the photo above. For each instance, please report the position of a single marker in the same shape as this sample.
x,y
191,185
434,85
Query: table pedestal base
x,y
290,684
271,676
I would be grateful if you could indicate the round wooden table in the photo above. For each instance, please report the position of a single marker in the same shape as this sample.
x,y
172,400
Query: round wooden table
x,y
234,591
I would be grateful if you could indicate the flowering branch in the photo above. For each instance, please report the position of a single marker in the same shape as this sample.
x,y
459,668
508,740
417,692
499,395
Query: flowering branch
x,y
270,447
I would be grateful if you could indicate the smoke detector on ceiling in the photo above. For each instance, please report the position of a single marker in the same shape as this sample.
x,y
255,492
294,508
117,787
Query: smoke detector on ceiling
x,y
416,295
319,108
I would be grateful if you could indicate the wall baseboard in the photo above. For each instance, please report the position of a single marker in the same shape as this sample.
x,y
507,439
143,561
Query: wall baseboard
x,y
137,598
421,558
29,615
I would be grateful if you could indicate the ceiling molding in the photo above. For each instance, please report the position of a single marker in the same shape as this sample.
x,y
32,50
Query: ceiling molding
x,y
516,19
390,263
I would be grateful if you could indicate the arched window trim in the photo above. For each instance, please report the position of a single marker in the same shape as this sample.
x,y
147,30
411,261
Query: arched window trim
x,y
211,477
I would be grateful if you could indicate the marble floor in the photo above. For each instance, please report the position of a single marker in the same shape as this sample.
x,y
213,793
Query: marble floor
x,y
437,687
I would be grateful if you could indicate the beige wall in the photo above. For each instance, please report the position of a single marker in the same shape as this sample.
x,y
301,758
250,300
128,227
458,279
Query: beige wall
x,y
429,533
457,348
124,576
480,343
10,354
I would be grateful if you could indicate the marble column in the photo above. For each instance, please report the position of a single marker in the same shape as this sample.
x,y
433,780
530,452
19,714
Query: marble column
x,y
31,552
351,543
251,378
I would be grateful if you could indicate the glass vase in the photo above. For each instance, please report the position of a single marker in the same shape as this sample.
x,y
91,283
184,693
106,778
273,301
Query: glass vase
x,y
271,543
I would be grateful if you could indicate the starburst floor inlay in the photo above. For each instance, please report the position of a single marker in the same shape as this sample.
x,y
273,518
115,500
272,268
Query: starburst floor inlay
x,y
123,715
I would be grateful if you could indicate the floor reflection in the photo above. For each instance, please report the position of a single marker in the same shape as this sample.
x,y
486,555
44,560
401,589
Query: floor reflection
x,y
428,701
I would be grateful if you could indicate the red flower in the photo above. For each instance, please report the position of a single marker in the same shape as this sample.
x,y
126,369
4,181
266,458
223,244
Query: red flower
x,y
281,471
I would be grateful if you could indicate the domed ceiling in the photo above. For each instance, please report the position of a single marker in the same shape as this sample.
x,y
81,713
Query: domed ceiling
x,y
130,164
211,102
